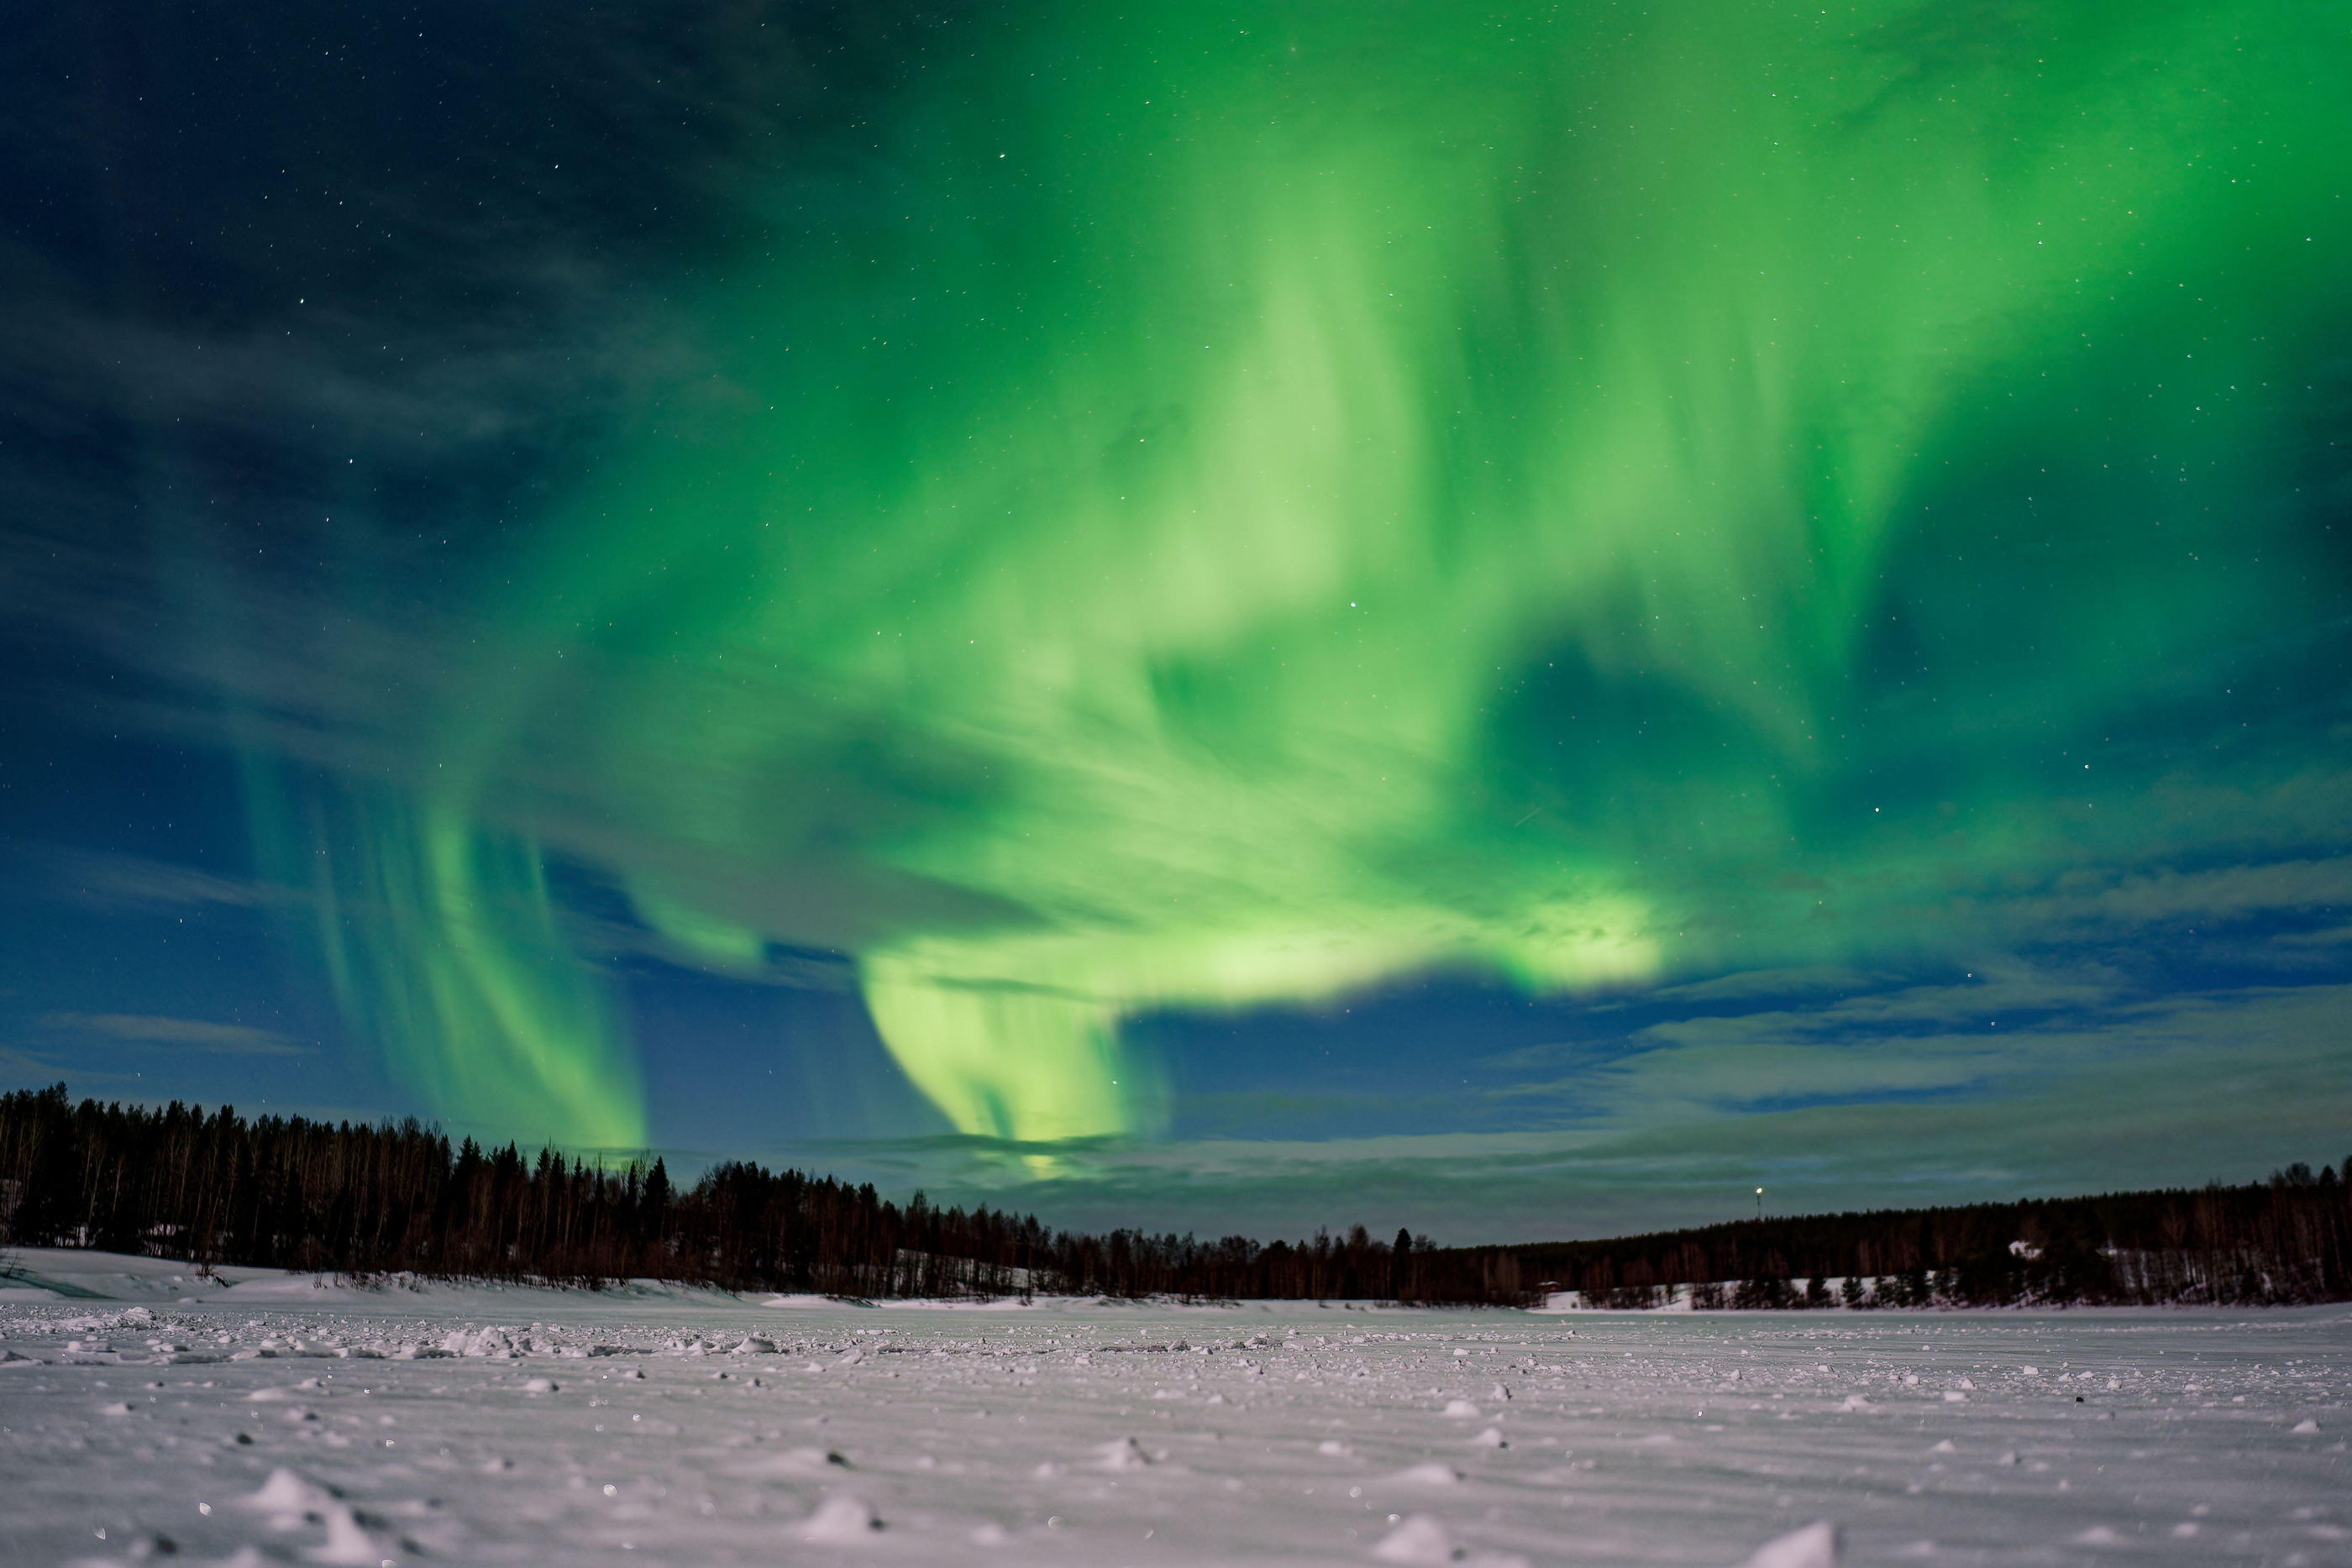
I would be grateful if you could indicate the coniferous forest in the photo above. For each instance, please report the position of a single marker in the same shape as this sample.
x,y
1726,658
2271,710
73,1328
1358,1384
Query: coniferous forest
x,y
286,1192
365,1200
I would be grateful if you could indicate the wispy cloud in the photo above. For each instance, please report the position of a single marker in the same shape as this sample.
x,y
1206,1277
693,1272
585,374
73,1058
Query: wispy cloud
x,y
193,1034
2229,893
23,1067
1748,983
121,880
1978,1002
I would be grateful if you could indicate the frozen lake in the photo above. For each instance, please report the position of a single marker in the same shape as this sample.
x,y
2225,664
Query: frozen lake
x,y
644,1426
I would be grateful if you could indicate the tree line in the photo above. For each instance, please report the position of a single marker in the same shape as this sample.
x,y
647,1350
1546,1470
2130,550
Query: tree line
x,y
2285,1240
371,1199
363,1201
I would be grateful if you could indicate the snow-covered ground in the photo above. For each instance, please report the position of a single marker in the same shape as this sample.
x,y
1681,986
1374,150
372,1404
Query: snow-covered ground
x,y
275,1418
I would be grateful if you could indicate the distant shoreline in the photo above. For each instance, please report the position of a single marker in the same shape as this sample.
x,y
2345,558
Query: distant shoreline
x,y
367,1201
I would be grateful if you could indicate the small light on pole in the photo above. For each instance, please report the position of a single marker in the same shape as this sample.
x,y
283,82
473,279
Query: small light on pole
x,y
1760,1204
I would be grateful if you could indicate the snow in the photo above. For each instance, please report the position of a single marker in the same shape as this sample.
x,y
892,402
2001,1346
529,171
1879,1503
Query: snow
x,y
840,1521
272,1418
1814,1546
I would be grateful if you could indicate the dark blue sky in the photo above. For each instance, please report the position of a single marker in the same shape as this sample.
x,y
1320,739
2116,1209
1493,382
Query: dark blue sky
x,y
1230,627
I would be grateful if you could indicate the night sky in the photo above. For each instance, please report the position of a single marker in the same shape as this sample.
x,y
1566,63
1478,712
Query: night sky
x,y
1231,617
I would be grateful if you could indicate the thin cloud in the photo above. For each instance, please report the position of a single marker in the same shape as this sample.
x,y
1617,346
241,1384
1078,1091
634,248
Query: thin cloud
x,y
193,1034
1912,1009
120,882
1764,983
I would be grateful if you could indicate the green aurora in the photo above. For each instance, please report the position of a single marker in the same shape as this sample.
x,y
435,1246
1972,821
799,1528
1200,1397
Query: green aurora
x,y
1230,507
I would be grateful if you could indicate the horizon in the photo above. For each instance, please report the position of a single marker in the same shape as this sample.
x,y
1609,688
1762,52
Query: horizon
x,y
630,1165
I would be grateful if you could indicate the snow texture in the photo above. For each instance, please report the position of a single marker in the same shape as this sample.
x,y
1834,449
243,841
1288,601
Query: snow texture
x,y
277,1419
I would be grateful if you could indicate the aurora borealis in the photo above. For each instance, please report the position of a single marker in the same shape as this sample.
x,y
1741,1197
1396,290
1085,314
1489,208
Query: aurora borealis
x,y
1526,611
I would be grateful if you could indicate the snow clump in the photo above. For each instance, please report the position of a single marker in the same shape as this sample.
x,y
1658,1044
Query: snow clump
x,y
1814,1546
1417,1540
840,1521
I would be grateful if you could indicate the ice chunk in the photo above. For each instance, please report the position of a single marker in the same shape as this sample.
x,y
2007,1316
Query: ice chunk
x,y
1492,1437
1814,1546
1462,1410
2304,1428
